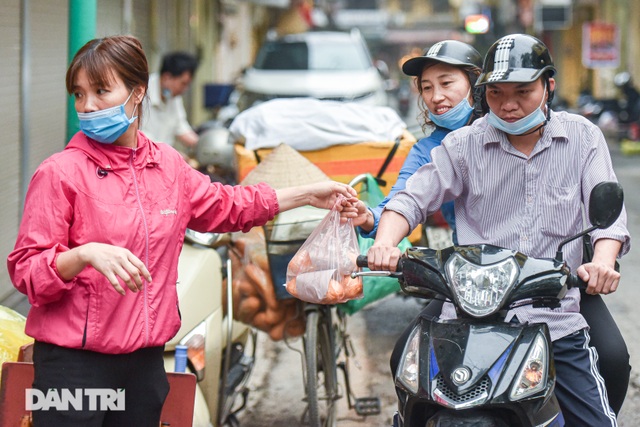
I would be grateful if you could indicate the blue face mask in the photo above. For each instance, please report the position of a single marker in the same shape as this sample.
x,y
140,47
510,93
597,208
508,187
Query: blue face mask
x,y
521,126
106,125
455,118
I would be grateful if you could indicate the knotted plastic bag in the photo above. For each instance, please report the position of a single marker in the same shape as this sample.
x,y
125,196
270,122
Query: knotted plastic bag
x,y
374,287
320,272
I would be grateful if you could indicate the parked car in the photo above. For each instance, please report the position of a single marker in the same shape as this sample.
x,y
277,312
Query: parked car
x,y
328,65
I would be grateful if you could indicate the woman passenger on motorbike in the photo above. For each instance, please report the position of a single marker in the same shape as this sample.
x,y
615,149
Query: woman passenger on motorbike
x,y
444,75
110,211
546,164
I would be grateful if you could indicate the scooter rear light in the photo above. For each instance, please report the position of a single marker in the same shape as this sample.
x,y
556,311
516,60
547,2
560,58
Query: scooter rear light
x,y
195,342
532,377
195,354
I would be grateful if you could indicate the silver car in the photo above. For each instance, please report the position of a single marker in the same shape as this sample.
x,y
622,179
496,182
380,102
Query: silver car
x,y
326,65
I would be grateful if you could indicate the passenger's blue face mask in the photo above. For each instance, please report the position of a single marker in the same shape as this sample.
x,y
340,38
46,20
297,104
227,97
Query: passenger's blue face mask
x,y
521,126
455,118
106,125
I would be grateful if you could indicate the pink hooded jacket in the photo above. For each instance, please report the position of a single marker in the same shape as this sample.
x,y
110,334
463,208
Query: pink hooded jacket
x,y
141,199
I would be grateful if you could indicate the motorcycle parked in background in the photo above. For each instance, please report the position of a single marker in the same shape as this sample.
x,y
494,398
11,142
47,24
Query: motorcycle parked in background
x,y
618,116
477,369
220,350
629,112
213,155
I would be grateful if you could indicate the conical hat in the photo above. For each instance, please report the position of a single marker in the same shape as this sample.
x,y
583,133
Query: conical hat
x,y
285,167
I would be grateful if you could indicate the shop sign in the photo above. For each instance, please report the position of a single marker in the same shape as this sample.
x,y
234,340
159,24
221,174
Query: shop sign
x,y
600,45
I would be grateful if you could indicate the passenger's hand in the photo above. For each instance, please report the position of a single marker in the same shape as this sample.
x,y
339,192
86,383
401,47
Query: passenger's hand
x,y
383,257
115,262
601,278
359,214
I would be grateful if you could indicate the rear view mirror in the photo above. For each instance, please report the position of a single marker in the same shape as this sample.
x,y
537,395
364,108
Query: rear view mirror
x,y
605,204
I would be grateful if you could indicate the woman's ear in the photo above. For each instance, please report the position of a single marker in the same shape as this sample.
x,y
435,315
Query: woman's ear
x,y
139,94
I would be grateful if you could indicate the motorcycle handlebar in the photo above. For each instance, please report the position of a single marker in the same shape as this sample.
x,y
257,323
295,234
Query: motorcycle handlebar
x,y
573,281
362,261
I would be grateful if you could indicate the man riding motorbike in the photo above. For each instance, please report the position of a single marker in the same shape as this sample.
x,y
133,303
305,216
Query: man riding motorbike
x,y
520,177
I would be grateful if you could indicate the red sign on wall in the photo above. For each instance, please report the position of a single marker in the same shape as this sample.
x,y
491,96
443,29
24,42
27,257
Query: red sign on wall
x,y
600,45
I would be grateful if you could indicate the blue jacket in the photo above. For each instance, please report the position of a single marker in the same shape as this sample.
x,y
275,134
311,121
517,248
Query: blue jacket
x,y
419,155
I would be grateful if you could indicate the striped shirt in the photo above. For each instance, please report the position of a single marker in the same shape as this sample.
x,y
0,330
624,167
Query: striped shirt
x,y
527,203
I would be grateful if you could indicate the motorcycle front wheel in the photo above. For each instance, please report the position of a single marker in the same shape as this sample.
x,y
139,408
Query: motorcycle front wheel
x,y
321,375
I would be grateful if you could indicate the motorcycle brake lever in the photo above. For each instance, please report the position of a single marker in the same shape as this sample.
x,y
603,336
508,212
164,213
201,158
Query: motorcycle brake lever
x,y
393,274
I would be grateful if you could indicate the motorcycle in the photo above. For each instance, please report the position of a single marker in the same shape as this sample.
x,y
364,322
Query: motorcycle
x,y
619,116
477,369
220,350
629,114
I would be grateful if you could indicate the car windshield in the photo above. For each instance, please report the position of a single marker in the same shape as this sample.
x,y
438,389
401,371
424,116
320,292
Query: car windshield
x,y
316,55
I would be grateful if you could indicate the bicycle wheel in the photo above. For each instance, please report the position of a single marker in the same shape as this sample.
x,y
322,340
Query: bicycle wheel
x,y
322,388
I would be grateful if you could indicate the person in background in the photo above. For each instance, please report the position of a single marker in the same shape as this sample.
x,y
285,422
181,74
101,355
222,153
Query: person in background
x,y
546,164
98,246
167,118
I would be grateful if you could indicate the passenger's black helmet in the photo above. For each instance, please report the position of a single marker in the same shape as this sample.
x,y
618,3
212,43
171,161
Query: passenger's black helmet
x,y
448,51
516,58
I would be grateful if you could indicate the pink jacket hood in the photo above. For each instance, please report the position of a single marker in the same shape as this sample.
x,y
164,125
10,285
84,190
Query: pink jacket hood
x,y
141,199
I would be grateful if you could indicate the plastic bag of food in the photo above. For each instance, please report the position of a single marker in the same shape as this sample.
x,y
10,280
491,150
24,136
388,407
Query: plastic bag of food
x,y
320,272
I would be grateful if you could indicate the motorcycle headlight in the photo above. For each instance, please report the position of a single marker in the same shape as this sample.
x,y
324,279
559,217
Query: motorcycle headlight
x,y
481,289
533,374
408,372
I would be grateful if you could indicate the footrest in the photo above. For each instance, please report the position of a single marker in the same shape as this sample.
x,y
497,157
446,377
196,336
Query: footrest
x,y
367,406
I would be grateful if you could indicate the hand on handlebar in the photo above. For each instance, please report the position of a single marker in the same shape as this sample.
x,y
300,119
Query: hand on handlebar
x,y
383,258
599,277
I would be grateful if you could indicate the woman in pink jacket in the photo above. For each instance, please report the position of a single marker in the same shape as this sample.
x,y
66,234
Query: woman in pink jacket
x,y
98,246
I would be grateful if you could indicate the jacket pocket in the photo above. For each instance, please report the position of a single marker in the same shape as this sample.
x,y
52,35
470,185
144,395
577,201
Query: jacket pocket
x,y
86,325
560,205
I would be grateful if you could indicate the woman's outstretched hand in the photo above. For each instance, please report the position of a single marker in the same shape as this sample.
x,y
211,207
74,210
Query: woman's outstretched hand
x,y
323,195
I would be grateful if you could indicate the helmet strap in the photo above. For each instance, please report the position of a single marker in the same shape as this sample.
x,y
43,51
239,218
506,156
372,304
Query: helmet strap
x,y
479,103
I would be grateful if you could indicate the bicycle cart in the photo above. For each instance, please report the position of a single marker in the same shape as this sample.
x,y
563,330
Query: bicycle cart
x,y
326,345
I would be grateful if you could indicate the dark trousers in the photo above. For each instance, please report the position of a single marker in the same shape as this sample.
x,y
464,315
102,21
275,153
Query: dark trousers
x,y
579,387
140,374
605,338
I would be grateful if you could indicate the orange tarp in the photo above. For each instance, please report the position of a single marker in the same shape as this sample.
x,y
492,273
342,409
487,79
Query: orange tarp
x,y
342,162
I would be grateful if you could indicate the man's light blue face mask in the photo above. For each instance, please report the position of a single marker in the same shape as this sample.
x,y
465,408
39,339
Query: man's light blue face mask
x,y
106,126
523,125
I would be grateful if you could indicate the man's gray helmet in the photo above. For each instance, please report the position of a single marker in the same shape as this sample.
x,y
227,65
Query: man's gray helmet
x,y
516,58
450,52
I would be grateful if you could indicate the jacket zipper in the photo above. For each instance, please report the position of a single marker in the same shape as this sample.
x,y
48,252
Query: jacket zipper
x,y
146,247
